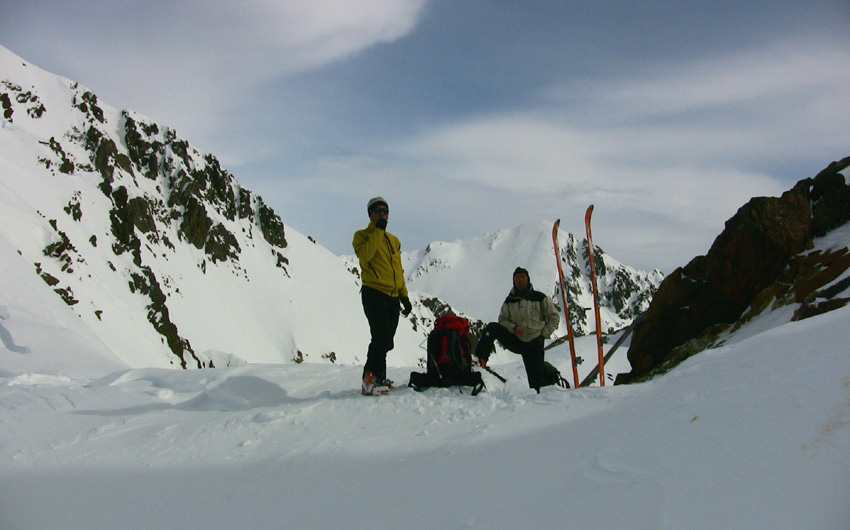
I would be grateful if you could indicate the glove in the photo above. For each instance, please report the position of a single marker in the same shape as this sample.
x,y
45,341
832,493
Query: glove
x,y
405,303
381,223
482,361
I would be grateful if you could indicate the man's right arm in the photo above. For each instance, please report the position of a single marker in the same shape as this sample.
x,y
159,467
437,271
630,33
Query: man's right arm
x,y
365,242
505,318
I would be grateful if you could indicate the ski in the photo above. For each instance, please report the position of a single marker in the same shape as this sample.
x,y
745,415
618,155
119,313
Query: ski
x,y
595,295
564,300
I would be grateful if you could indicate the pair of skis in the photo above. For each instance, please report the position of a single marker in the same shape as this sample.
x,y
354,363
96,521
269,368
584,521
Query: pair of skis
x,y
562,284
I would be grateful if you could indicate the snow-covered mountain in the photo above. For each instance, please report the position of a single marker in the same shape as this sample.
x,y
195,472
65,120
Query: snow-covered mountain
x,y
164,257
474,276
168,261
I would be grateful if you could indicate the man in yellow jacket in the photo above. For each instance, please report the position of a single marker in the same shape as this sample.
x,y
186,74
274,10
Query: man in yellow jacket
x,y
384,291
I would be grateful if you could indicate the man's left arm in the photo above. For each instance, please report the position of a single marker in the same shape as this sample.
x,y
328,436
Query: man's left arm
x,y
396,258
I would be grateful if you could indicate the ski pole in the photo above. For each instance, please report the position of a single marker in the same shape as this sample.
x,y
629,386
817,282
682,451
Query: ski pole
x,y
499,377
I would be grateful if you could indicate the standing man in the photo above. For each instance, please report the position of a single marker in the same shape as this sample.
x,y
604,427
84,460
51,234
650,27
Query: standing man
x,y
383,291
526,318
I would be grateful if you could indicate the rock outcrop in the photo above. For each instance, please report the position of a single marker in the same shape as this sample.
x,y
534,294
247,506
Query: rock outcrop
x,y
758,252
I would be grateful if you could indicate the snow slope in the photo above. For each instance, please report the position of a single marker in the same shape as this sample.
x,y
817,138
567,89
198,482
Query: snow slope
x,y
755,434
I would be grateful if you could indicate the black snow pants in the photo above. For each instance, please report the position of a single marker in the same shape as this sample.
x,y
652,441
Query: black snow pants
x,y
382,313
539,372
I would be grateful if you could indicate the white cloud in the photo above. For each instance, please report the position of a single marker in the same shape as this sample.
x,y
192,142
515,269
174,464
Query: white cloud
x,y
311,34
788,69
514,153
526,153
190,64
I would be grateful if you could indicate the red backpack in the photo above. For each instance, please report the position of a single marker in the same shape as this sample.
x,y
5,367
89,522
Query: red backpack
x,y
449,357
448,345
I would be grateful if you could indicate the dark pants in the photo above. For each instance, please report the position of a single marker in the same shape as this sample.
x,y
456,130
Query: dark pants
x,y
532,353
382,313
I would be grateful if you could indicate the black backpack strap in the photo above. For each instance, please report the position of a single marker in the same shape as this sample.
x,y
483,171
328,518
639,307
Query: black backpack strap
x,y
479,386
432,350
453,345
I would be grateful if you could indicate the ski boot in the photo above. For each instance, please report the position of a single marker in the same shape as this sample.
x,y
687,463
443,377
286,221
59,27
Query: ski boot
x,y
373,388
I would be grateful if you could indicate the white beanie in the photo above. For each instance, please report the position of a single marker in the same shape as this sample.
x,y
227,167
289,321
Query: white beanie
x,y
374,202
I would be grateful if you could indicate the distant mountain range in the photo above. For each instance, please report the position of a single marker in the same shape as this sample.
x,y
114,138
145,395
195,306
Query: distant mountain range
x,y
166,260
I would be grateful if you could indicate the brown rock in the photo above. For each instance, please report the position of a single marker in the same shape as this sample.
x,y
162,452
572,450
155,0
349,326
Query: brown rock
x,y
754,249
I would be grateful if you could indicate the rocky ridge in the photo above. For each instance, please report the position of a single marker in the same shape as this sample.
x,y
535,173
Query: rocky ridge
x,y
157,186
761,260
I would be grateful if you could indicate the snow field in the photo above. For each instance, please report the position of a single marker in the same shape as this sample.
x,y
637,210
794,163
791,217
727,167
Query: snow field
x,y
754,434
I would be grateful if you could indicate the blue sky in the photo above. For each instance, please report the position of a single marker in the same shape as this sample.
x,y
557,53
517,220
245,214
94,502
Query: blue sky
x,y
474,116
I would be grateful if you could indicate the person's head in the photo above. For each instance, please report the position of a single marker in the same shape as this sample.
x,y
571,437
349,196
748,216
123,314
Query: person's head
x,y
377,208
521,279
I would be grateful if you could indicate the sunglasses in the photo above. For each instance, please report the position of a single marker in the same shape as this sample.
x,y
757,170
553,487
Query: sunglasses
x,y
382,210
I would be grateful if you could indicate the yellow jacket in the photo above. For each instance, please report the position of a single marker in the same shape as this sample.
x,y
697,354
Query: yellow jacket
x,y
379,253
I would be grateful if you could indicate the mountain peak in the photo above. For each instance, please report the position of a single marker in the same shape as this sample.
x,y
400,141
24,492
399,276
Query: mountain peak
x,y
475,275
